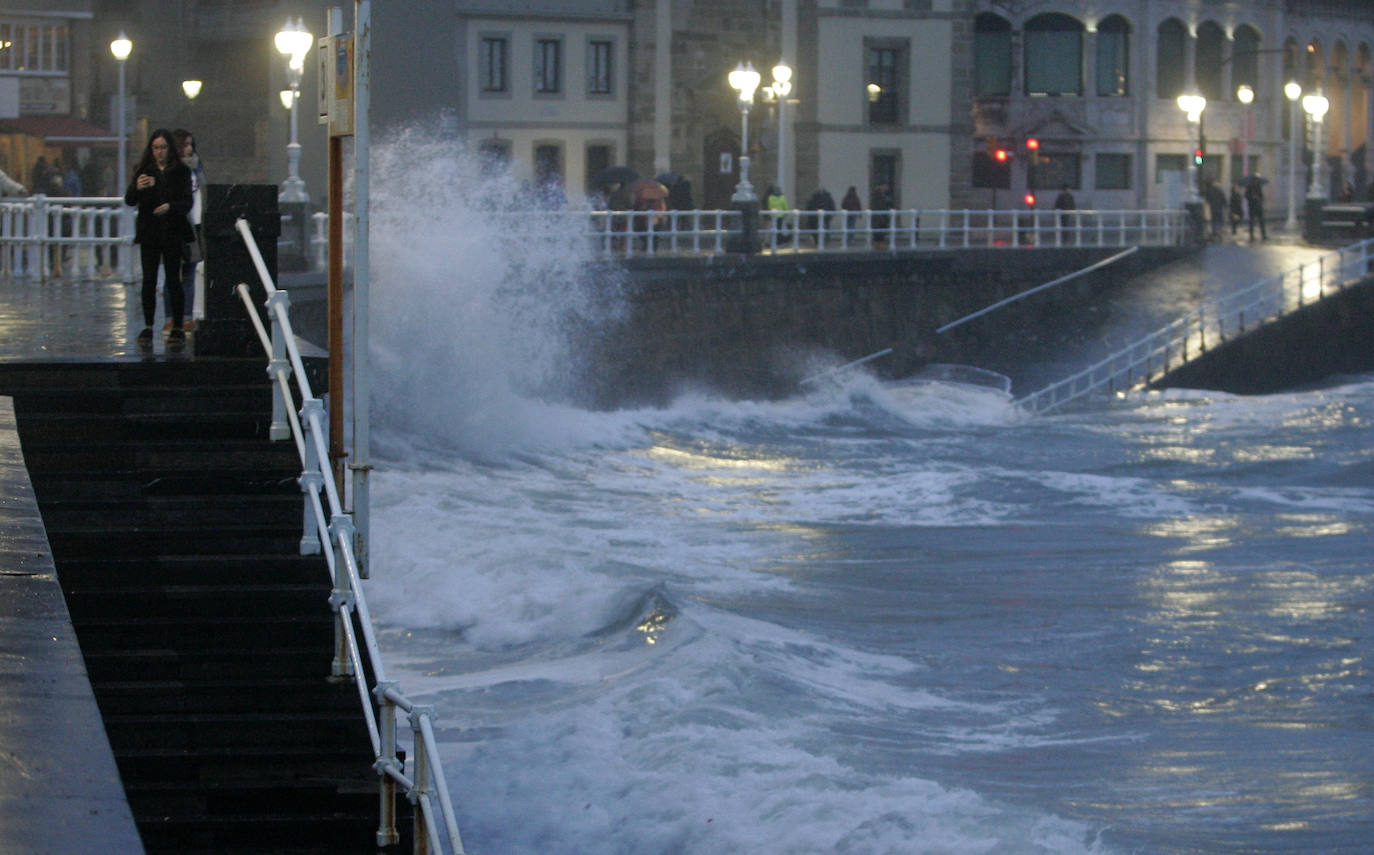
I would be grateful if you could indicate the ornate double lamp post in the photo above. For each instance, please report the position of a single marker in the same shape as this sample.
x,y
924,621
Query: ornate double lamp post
x,y
1316,106
293,42
778,91
745,80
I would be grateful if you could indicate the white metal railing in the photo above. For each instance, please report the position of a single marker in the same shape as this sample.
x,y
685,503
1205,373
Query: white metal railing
x,y
72,237
627,234
427,787
633,233
1168,348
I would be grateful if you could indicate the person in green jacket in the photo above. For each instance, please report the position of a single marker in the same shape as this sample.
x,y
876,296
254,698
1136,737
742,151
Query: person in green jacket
x,y
777,206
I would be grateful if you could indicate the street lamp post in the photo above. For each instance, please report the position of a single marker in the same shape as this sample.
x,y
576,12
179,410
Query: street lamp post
x,y
191,89
121,47
1292,91
782,87
1316,107
1192,104
745,80
1246,96
294,42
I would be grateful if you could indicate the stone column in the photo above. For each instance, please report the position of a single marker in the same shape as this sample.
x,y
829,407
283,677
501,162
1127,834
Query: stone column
x,y
663,86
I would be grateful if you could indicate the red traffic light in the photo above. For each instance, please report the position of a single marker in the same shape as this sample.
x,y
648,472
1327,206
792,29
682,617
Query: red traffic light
x,y
1032,144
1001,155
1030,199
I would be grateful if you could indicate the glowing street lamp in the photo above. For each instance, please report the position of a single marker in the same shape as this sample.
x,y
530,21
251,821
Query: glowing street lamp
x,y
120,48
782,87
293,42
744,80
1292,91
1192,104
191,88
1316,107
1246,96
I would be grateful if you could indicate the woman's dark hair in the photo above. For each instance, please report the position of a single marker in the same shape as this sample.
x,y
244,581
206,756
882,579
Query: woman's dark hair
x,y
181,135
150,162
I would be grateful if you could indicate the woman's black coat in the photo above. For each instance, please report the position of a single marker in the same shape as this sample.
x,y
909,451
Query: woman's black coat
x,y
173,186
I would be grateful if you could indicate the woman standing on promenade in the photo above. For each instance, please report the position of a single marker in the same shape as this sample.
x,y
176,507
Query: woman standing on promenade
x,y
161,189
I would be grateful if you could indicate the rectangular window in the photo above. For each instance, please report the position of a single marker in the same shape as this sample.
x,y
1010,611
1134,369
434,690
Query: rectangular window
x,y
1213,166
1169,163
599,70
495,58
884,179
34,47
1236,166
548,66
1113,172
494,156
1053,171
884,95
598,158
548,165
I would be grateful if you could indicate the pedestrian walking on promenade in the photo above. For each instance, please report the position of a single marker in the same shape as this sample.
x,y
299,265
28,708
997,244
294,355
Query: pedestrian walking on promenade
x,y
161,190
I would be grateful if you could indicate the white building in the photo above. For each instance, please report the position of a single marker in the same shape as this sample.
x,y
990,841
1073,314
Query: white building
x,y
1096,82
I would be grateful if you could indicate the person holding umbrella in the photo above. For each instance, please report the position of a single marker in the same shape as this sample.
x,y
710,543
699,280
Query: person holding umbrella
x,y
650,199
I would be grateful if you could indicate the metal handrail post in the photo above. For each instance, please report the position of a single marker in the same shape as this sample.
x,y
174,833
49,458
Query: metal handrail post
x,y
279,428
420,779
387,833
341,598
312,477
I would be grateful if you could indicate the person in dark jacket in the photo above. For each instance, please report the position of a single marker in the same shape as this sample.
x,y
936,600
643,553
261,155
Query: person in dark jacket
x,y
161,190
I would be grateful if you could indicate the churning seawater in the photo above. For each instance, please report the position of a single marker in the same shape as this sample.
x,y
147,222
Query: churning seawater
x,y
875,618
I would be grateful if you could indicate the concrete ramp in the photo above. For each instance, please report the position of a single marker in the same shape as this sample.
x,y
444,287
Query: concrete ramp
x,y
1188,351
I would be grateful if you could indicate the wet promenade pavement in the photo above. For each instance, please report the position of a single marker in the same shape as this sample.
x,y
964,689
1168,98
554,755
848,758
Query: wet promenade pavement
x,y
59,790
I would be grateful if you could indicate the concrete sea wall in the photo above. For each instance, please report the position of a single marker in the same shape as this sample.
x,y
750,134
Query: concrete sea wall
x,y
754,326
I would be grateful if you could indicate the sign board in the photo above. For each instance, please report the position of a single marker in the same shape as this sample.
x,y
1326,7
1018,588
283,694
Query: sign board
x,y
335,55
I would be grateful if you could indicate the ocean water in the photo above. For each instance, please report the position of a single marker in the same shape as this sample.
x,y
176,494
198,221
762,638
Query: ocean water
x,y
874,618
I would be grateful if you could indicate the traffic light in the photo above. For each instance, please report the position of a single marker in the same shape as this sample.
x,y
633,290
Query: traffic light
x,y
1001,155
1197,157
1030,200
1032,144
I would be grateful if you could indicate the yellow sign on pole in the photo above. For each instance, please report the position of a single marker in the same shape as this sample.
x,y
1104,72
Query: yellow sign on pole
x,y
336,83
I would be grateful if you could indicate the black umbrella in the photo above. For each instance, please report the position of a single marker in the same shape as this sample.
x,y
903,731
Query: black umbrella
x,y
614,175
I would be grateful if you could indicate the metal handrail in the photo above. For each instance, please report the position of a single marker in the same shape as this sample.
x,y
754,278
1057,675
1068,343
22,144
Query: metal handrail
x,y
1151,357
333,534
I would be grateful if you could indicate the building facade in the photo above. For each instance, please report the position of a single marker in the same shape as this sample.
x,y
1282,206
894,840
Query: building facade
x,y
1095,85
920,95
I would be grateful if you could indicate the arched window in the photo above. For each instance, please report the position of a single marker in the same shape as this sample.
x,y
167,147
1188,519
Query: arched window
x,y
1114,57
1211,46
1054,55
1245,59
1169,59
1315,73
991,55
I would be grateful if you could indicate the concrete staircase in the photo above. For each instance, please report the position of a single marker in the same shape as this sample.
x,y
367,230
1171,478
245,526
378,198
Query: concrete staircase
x,y
175,529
